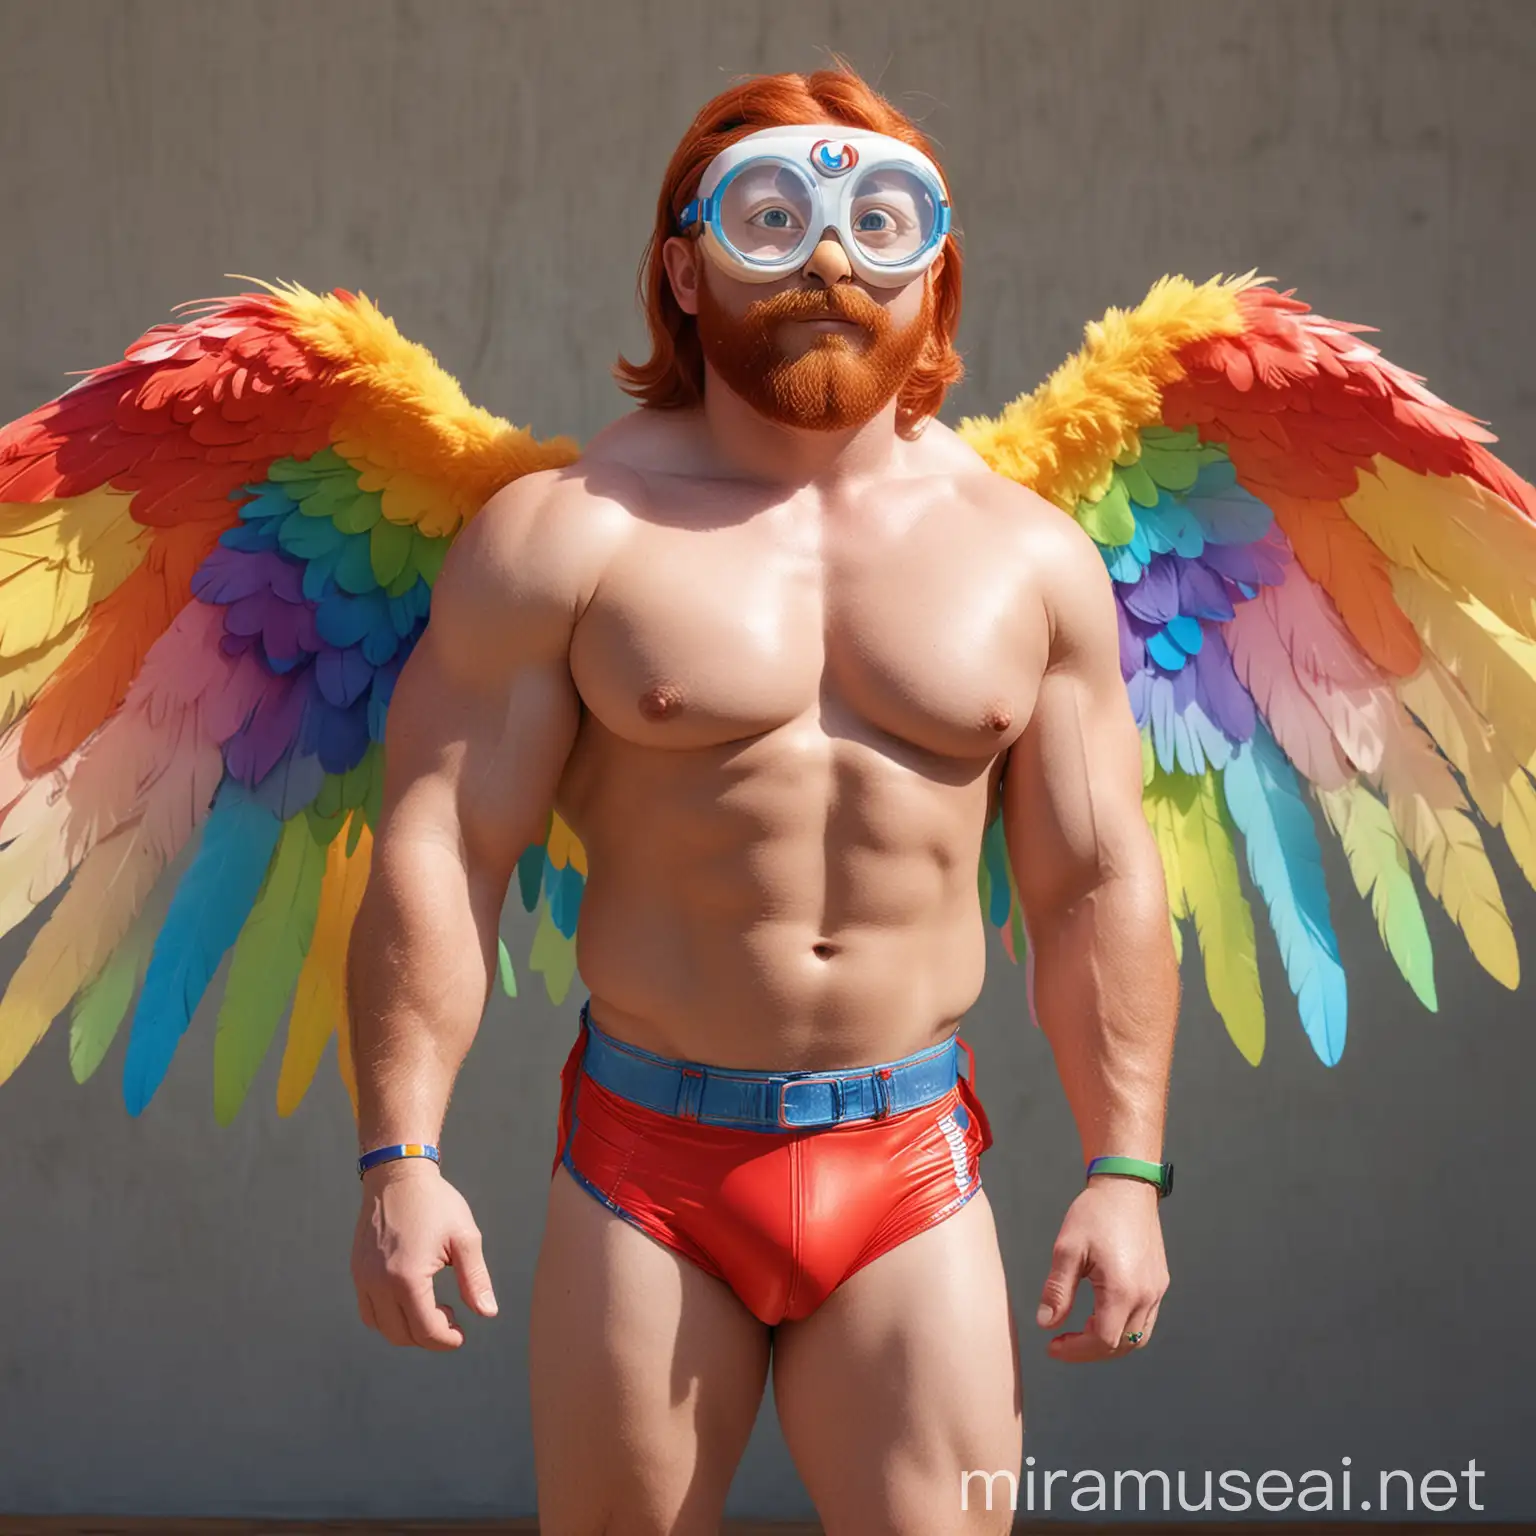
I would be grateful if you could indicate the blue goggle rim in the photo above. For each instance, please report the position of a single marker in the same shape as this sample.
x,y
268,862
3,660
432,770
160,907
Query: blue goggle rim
x,y
706,211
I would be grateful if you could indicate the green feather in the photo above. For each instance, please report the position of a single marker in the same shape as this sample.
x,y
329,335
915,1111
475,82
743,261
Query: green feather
x,y
1109,520
553,956
504,964
389,548
1379,862
103,1005
1194,831
265,967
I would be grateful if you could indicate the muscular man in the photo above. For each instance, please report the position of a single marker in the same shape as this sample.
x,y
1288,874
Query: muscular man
x,y
777,647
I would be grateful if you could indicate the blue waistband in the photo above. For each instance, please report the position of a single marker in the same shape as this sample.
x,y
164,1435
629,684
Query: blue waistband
x,y
768,1101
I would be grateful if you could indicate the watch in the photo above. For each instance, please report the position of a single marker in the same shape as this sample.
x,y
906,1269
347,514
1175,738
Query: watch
x,y
1160,1174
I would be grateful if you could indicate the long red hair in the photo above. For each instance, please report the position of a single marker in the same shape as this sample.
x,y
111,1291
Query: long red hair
x,y
673,375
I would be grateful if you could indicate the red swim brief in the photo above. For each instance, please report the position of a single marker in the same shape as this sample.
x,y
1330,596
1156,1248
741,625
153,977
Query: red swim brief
x,y
782,1217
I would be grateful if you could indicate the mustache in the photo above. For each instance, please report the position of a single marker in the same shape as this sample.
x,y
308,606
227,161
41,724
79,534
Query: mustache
x,y
842,301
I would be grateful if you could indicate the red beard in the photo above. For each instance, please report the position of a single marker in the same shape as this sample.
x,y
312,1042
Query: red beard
x,y
838,382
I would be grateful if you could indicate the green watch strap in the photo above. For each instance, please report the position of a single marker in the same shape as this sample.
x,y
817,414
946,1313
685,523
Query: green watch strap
x,y
1160,1174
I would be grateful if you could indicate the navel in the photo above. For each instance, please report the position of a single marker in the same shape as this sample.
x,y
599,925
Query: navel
x,y
823,951
661,702
998,717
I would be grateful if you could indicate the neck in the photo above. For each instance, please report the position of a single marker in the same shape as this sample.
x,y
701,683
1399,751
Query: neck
x,y
754,447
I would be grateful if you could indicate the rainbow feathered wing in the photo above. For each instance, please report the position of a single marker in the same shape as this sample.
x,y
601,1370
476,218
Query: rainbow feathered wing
x,y
1326,588
216,555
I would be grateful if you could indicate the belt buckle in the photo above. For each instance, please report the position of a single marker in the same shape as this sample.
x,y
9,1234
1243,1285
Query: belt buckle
x,y
784,1084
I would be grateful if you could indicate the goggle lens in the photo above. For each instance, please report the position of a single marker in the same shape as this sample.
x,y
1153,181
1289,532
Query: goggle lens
x,y
766,210
893,215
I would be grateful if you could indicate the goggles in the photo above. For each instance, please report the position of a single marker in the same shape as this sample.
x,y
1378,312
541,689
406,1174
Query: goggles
x,y
766,202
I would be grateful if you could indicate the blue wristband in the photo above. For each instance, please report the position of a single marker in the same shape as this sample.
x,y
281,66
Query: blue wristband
x,y
390,1154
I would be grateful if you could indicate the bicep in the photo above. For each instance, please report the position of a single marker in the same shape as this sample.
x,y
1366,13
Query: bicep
x,y
1071,795
484,713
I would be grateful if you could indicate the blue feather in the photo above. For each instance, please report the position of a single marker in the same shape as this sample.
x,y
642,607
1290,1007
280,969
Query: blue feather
x,y
565,887
1228,513
530,875
1171,526
210,905
994,850
1264,797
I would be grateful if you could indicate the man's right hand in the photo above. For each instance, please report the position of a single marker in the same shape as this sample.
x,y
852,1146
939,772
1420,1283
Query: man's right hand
x,y
412,1224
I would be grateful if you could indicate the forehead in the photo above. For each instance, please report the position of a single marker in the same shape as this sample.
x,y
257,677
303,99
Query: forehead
x,y
829,148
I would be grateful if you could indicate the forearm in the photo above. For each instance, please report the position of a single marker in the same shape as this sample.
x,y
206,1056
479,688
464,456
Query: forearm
x,y
1106,991
419,970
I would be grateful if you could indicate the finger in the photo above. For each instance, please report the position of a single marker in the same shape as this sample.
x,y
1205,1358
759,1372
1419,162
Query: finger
x,y
1142,1320
1060,1288
1111,1317
391,1321
1079,1348
1101,1335
430,1324
365,1310
467,1255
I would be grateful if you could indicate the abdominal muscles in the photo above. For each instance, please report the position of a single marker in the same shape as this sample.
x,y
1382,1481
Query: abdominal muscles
x,y
803,898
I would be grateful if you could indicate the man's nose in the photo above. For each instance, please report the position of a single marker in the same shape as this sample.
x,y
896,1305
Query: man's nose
x,y
829,261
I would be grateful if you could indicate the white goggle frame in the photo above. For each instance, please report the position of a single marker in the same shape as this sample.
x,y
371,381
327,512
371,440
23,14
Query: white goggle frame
x,y
823,156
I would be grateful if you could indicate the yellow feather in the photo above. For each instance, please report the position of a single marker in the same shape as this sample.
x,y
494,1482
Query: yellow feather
x,y
407,424
1430,812
59,561
38,858
1456,530
320,996
22,677
1064,438
1213,897
1379,863
553,956
109,888
1495,666
1194,837
1500,788
564,847
1160,818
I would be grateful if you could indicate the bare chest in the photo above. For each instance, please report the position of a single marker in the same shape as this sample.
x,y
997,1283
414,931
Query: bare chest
x,y
721,622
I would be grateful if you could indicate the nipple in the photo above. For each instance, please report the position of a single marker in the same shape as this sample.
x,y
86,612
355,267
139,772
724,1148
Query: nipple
x,y
998,717
661,702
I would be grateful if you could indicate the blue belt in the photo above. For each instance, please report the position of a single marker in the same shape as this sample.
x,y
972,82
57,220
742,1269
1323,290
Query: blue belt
x,y
768,1101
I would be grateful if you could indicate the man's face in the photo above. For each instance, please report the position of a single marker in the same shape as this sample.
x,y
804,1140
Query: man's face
x,y
819,349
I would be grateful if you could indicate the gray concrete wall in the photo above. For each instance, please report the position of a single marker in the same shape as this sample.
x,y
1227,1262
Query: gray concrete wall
x,y
1352,1249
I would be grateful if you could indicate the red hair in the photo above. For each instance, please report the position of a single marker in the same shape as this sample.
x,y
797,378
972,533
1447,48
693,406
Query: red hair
x,y
673,375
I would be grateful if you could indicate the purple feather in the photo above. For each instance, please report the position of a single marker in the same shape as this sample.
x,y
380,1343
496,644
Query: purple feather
x,y
1219,690
1139,687
253,751
1202,593
227,575
1156,596
1133,647
342,673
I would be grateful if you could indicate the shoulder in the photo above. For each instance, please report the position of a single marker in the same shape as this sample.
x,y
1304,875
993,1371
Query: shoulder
x,y
648,440
1059,558
524,567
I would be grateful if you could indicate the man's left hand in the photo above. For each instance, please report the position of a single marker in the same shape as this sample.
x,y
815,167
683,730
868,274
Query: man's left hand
x,y
1111,1236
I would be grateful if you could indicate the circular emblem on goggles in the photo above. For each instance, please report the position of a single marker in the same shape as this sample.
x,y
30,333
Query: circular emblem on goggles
x,y
830,164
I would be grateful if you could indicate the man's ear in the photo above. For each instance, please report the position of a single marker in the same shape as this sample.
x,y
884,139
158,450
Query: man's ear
x,y
681,257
